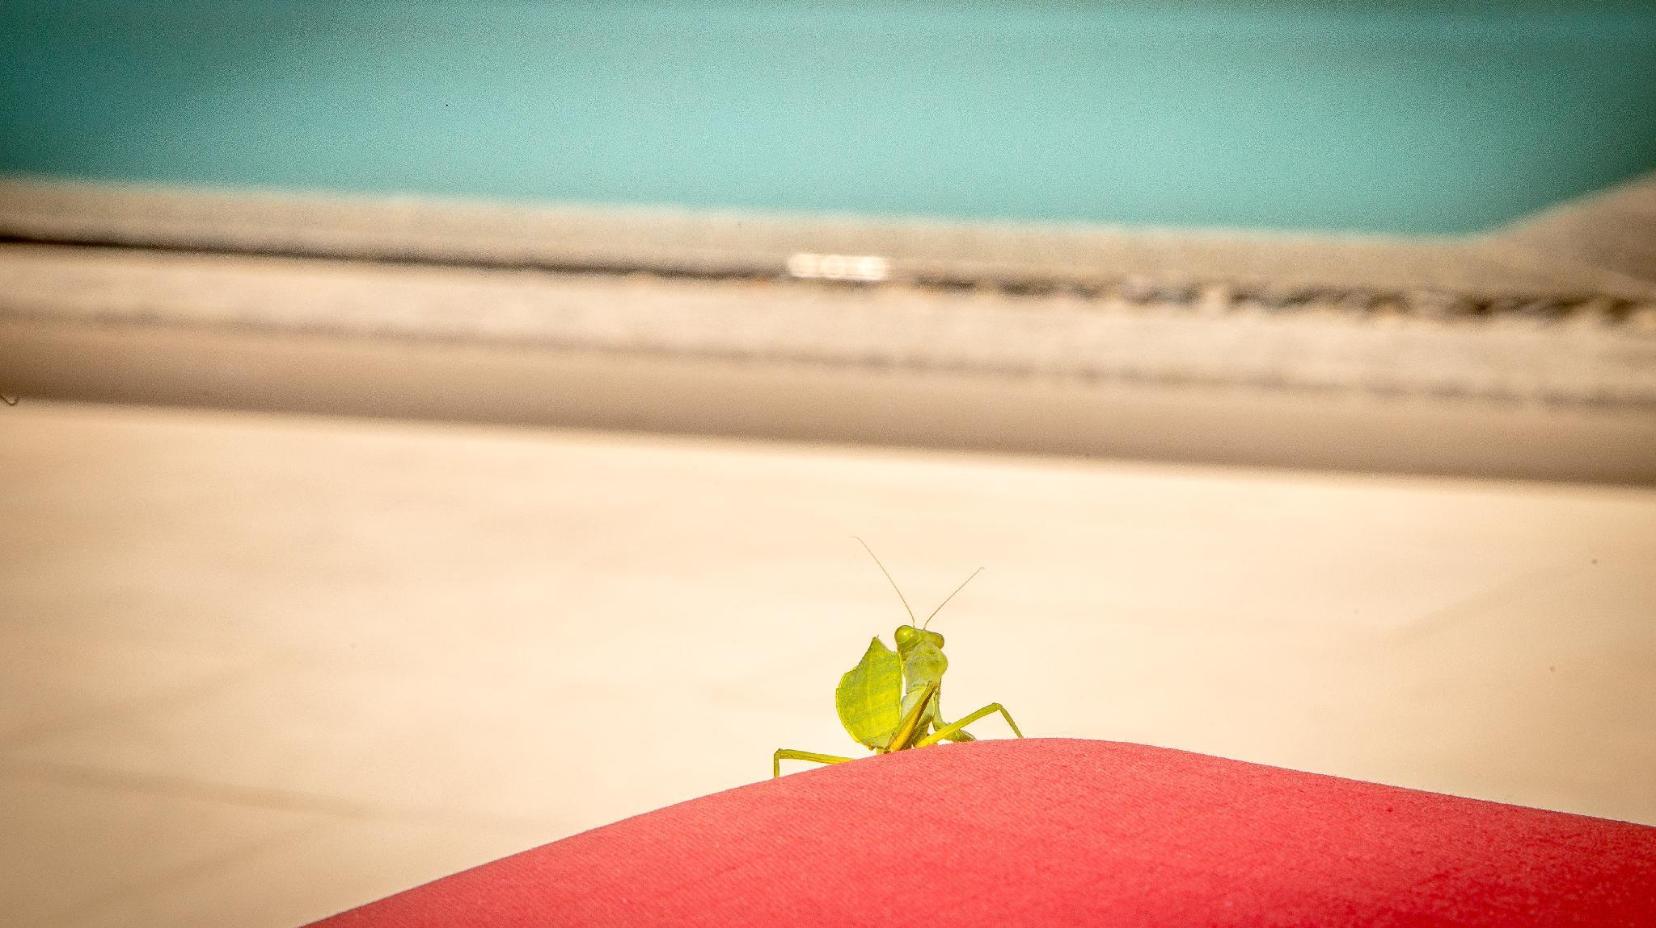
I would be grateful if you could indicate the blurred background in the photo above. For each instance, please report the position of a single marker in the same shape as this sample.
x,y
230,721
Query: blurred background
x,y
434,429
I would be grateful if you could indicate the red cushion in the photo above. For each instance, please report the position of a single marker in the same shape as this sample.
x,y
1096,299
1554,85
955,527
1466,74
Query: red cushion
x,y
1060,832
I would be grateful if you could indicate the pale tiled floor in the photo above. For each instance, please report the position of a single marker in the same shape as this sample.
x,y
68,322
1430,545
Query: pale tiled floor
x,y
256,669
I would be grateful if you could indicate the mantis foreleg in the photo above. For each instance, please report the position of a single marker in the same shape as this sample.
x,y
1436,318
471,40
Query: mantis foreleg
x,y
914,722
953,727
783,754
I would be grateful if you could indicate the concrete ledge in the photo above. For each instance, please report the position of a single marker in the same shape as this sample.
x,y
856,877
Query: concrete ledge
x,y
1327,376
663,241
530,385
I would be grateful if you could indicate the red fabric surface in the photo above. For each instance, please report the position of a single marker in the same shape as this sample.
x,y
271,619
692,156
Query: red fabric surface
x,y
1062,832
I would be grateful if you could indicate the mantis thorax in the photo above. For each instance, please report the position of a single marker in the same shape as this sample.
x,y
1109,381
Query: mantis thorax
x,y
922,654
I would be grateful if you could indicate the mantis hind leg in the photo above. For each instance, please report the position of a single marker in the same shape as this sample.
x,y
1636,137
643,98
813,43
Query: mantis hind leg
x,y
783,754
954,727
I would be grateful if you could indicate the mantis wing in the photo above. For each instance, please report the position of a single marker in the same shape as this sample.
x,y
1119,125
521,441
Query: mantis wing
x,y
869,696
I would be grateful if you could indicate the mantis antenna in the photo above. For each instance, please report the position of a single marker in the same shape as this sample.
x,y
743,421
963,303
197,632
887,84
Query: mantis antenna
x,y
893,583
946,599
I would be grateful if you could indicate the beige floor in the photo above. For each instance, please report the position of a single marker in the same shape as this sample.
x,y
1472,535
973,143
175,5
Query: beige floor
x,y
255,669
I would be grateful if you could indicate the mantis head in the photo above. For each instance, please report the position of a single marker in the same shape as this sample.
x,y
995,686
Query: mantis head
x,y
908,638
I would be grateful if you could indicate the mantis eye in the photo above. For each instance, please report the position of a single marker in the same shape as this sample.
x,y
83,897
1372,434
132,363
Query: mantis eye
x,y
906,635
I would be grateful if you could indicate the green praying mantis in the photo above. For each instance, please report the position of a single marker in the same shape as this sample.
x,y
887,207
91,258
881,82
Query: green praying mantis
x,y
889,701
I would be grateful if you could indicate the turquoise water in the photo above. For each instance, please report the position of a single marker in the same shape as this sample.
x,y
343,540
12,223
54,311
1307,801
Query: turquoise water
x,y
1356,116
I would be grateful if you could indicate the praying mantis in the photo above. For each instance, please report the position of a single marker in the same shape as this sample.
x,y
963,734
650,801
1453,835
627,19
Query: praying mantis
x,y
889,701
